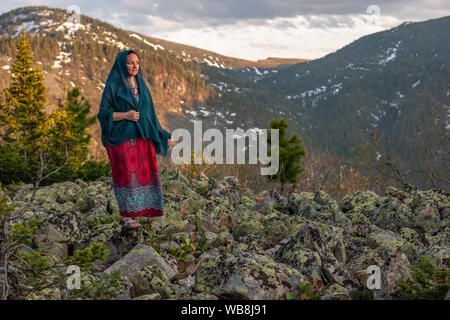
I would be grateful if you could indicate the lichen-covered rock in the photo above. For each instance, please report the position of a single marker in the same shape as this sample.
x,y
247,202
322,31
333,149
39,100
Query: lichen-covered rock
x,y
175,187
45,294
229,242
203,296
246,227
201,186
317,253
392,214
153,279
427,218
388,240
245,275
49,237
139,257
394,192
396,267
227,187
153,296
335,292
71,224
439,254
275,228
264,202
359,201
318,207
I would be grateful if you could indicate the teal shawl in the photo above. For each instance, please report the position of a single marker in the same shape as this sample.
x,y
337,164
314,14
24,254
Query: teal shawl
x,y
117,97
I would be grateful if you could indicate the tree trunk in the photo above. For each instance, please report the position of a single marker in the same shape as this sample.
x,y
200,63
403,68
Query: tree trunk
x,y
4,243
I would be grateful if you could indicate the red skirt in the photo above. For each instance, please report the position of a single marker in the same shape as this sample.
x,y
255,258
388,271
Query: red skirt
x,y
137,184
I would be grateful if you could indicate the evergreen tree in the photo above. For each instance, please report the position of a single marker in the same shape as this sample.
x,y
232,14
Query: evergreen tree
x,y
68,135
290,153
23,115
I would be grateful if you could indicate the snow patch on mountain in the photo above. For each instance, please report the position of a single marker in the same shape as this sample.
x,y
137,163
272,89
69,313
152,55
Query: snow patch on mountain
x,y
30,25
390,54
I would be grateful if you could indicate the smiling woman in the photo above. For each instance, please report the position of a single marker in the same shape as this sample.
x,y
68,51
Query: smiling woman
x,y
132,136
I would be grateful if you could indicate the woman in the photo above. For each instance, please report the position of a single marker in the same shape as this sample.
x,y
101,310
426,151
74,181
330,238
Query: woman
x,y
132,136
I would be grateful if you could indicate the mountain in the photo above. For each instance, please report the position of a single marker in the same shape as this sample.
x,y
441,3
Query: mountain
x,y
375,78
383,79
81,54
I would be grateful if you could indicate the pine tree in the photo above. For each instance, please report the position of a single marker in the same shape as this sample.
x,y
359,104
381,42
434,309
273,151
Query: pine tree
x,y
69,135
290,153
23,114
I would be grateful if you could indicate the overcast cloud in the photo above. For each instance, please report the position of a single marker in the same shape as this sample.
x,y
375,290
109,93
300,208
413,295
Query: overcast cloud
x,y
255,29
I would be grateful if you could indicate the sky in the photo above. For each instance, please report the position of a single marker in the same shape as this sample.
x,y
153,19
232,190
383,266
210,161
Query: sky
x,y
254,29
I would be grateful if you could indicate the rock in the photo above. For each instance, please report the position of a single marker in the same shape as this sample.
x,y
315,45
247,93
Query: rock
x,y
312,253
335,292
440,256
307,237
153,279
335,272
71,224
392,214
387,239
49,237
66,191
153,296
359,201
275,229
318,207
81,183
139,257
112,207
180,188
246,275
394,192
187,282
45,294
444,212
266,203
116,239
246,227
203,296
427,219
395,268
205,224
327,201
253,246
200,187
126,293
227,187
191,206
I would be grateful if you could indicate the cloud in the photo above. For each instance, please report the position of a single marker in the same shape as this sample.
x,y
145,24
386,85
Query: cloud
x,y
254,29
225,12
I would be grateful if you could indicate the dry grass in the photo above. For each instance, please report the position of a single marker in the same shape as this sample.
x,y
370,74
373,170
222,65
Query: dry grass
x,y
322,172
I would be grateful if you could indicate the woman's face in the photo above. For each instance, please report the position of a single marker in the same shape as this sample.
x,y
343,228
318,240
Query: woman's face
x,y
132,64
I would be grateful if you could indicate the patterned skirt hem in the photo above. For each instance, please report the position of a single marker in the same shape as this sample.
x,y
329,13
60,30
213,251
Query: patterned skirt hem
x,y
143,213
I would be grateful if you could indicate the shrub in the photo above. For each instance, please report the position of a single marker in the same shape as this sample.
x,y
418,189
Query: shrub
x,y
92,170
427,281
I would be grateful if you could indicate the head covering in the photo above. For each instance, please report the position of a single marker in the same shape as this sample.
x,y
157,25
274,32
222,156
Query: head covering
x,y
117,97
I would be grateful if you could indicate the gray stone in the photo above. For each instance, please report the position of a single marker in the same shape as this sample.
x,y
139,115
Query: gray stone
x,y
138,258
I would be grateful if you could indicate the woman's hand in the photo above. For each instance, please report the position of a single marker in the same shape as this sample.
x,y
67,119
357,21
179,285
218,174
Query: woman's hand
x,y
132,115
